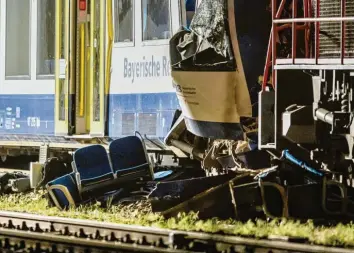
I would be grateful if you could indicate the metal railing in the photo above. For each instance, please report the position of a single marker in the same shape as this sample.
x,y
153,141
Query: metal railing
x,y
310,19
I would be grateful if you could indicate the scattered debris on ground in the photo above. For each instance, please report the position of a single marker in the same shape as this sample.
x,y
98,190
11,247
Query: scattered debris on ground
x,y
254,189
124,187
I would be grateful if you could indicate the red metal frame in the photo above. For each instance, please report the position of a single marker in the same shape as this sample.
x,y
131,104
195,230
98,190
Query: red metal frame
x,y
279,24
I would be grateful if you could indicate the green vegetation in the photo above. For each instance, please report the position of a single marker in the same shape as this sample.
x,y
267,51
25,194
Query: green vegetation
x,y
139,214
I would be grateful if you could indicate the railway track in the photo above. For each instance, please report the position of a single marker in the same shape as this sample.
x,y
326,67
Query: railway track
x,y
21,232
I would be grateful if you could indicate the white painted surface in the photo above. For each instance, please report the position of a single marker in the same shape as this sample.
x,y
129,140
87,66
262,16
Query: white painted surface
x,y
132,61
33,85
122,54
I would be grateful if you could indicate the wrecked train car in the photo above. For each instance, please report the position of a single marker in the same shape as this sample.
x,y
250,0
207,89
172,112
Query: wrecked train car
x,y
267,164
216,66
265,91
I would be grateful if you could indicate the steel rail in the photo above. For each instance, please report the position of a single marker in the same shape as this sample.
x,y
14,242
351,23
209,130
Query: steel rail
x,y
46,241
48,228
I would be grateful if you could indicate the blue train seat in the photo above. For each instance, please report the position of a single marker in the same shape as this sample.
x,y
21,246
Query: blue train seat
x,y
64,191
92,167
129,158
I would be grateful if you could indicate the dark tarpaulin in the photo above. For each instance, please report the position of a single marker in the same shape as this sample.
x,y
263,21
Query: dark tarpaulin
x,y
206,46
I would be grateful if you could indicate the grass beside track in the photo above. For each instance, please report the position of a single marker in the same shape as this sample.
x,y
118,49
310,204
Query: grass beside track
x,y
139,214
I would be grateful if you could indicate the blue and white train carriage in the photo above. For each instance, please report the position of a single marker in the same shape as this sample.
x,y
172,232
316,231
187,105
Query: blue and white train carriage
x,y
85,69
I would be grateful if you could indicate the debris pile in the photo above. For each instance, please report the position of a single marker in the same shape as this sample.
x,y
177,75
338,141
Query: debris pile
x,y
285,187
14,182
290,189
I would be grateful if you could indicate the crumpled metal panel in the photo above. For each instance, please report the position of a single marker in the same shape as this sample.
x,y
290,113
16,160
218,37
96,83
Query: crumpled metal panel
x,y
209,24
206,45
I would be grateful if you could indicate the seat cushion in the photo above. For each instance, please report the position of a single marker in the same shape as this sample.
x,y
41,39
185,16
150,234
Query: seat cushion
x,y
139,171
68,181
92,163
97,180
127,152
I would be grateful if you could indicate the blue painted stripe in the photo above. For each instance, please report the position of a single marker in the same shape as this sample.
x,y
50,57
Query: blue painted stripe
x,y
27,114
150,114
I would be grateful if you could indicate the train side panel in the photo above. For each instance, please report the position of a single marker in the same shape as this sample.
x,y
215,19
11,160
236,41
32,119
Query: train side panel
x,y
142,96
26,67
27,114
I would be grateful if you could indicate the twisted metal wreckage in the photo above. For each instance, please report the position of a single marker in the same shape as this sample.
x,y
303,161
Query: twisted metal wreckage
x,y
242,183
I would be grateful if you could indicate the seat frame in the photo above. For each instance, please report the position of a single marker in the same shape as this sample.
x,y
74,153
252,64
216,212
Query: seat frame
x,y
64,190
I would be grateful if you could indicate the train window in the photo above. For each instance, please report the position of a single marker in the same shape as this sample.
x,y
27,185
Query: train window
x,y
17,57
123,20
156,19
45,37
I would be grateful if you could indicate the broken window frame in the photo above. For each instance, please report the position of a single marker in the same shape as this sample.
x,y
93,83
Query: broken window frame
x,y
163,41
116,25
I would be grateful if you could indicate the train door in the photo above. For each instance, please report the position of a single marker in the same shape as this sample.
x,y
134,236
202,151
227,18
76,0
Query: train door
x,y
80,68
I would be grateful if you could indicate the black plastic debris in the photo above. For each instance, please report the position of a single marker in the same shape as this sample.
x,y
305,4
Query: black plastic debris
x,y
248,196
54,168
254,159
213,202
169,194
14,182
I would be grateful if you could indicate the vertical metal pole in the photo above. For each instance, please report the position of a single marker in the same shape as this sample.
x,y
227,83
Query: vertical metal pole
x,y
92,62
102,50
274,47
270,56
72,66
267,63
294,32
342,33
67,61
108,60
317,31
57,57
82,70
110,45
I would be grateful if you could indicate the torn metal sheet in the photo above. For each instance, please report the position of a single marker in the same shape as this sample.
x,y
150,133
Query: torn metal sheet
x,y
209,24
246,200
213,202
169,194
207,44
247,197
